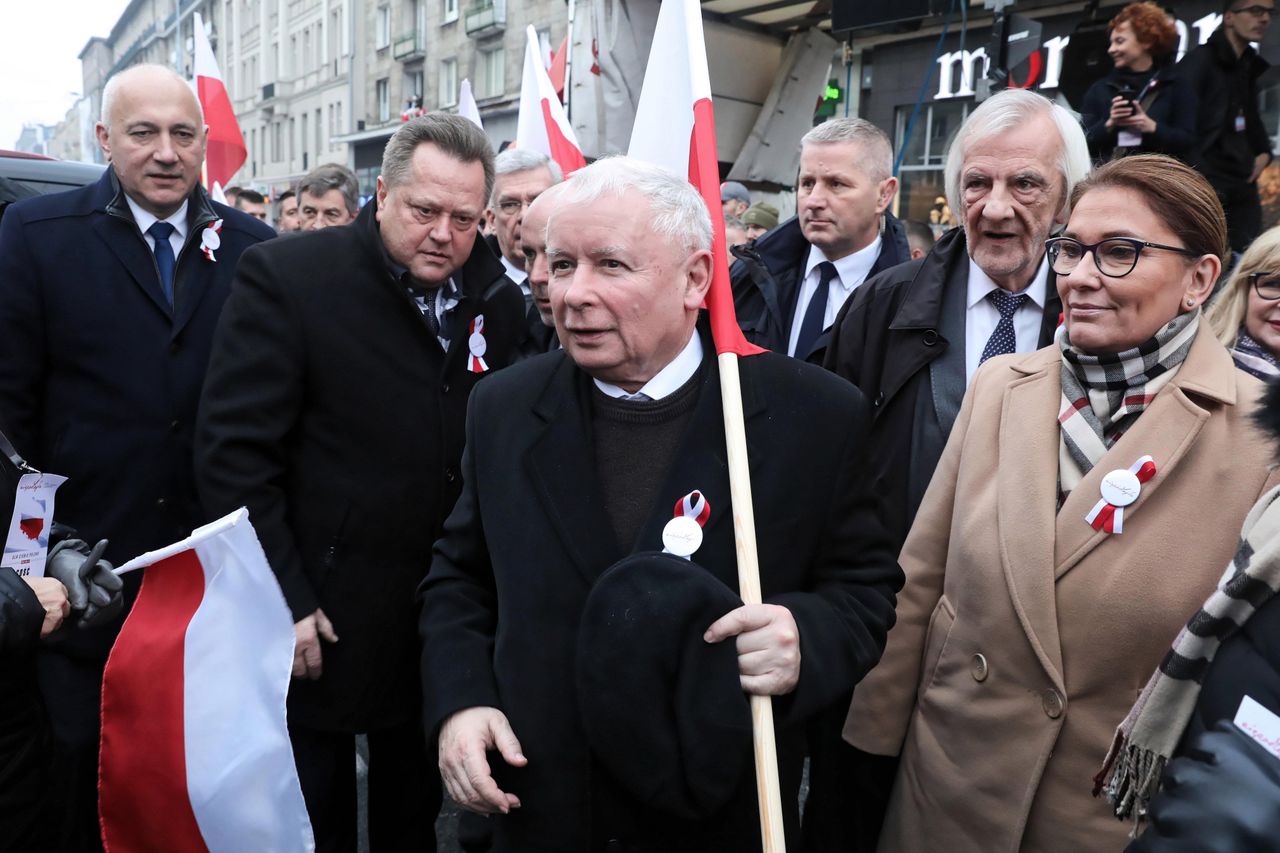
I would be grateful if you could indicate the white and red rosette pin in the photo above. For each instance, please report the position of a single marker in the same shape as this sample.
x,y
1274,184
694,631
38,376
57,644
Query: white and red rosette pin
x,y
1119,488
682,535
210,239
477,346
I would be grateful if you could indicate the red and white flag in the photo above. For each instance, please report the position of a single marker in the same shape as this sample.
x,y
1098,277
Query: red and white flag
x,y
542,124
195,753
467,103
556,70
675,128
226,152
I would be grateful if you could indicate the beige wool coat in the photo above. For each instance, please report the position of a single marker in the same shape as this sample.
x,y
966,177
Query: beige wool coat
x,y
1024,636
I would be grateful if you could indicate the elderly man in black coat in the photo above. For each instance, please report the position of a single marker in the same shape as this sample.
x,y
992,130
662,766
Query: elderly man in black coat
x,y
575,460
334,411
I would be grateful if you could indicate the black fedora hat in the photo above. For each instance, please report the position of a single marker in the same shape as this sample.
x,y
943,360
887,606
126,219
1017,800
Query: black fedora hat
x,y
663,710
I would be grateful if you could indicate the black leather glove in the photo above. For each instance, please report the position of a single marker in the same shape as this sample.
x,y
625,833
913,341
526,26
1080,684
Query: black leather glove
x,y
94,589
1221,796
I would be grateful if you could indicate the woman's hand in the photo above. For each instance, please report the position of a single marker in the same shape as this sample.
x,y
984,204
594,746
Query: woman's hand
x,y
1129,115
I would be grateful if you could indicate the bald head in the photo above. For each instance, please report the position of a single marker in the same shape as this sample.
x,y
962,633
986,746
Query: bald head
x,y
152,132
534,245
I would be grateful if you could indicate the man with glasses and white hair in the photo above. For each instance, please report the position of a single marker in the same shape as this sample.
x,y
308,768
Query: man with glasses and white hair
x,y
520,176
791,283
912,337
573,463
1234,145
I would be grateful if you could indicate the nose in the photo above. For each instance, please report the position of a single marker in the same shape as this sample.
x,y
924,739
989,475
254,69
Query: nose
x,y
577,291
997,204
165,151
539,270
440,230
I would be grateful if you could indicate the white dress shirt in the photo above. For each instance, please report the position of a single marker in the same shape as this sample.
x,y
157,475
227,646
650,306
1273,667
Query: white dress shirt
x,y
178,219
851,271
517,276
669,379
981,317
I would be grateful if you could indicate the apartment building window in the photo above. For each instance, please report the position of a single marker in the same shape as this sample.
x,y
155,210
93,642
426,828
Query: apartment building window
x,y
382,30
450,11
308,61
413,83
320,146
303,143
491,70
448,95
293,131
383,89
276,148
335,33
293,56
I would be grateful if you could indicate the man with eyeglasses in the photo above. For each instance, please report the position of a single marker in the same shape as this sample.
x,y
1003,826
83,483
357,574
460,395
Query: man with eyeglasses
x,y
1234,146
520,176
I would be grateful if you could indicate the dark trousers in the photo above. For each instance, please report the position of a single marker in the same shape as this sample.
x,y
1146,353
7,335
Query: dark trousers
x,y
404,788
72,691
1244,211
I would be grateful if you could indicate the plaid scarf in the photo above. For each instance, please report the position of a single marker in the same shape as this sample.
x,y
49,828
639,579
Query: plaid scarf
x,y
1102,395
1147,738
1253,358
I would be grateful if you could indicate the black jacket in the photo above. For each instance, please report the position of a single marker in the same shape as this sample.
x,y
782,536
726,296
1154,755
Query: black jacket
x,y
1173,108
529,537
1226,86
767,276
332,413
884,341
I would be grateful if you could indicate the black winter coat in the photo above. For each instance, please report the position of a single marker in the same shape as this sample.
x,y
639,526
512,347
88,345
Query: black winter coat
x,y
766,281
1226,87
332,413
1173,109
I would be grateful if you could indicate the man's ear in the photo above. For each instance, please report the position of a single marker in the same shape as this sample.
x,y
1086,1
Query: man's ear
x,y
885,192
697,276
104,139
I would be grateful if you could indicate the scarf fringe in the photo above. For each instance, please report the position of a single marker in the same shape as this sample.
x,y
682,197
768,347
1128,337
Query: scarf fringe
x,y
1133,780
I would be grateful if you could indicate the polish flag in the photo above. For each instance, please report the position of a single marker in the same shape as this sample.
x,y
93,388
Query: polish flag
x,y
195,754
675,128
467,103
226,152
556,70
542,124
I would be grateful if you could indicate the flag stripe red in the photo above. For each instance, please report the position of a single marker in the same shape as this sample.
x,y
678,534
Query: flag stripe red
x,y
142,775
704,174
226,152
564,152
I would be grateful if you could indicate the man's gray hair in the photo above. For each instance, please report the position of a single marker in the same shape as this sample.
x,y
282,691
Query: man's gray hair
x,y
1003,111
329,177
515,160
112,88
876,152
676,211
454,135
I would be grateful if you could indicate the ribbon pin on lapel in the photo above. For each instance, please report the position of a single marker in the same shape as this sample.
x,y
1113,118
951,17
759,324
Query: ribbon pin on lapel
x,y
682,535
477,345
1119,488
209,239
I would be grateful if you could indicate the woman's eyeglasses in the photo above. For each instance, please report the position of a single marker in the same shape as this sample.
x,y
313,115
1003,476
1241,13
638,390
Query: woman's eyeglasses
x,y
1114,257
1266,284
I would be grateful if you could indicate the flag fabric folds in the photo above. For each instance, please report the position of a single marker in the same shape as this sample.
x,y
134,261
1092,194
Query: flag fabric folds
x,y
467,104
542,125
195,752
675,128
226,152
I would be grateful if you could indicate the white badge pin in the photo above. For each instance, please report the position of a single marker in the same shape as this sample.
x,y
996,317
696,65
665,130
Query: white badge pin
x,y
682,536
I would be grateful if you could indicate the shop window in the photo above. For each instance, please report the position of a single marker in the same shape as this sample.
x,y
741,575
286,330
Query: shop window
x,y
921,193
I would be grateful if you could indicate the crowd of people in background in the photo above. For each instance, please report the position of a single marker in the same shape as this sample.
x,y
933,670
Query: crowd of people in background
x,y
998,471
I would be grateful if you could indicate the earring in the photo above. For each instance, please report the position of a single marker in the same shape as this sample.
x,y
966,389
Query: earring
x,y
1191,303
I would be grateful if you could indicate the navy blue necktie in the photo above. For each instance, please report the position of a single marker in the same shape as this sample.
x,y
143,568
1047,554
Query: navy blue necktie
x,y
1003,340
816,314
165,261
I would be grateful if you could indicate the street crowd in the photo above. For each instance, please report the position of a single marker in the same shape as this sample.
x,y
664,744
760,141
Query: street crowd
x,y
1014,494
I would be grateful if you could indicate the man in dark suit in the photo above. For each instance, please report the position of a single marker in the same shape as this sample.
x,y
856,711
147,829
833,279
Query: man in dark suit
x,y
533,244
789,285
334,411
109,296
573,461
912,337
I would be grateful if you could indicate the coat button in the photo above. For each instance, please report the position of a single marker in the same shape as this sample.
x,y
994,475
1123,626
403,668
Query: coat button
x,y
879,401
978,668
930,337
444,389
1053,703
161,503
449,475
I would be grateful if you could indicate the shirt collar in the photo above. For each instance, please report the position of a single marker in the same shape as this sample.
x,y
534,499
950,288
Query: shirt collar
x,y
514,273
670,378
852,269
980,284
145,219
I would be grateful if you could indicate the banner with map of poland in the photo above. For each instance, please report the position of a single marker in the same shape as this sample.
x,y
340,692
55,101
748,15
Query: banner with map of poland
x,y
195,753
542,125
226,152
675,128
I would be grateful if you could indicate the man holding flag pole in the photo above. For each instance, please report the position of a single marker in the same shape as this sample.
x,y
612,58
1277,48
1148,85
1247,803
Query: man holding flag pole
x,y
606,526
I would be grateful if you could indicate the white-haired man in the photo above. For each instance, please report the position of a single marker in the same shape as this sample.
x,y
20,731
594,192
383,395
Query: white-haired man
x,y
791,283
108,306
913,337
573,462
520,176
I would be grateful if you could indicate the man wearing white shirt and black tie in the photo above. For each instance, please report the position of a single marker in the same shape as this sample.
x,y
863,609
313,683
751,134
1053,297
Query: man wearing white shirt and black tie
x,y
790,285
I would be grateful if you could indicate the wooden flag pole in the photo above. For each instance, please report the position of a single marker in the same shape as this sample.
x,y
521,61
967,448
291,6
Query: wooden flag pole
x,y
768,789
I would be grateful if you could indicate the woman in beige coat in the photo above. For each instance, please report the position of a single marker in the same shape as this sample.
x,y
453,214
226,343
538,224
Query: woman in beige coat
x,y
1037,600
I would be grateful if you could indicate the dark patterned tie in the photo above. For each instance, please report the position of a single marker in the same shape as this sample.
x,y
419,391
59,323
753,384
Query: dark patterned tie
x,y
815,314
165,261
1003,340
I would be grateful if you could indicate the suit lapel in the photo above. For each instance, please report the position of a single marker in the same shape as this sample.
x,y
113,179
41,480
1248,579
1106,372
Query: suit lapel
x,y
135,256
195,273
1027,484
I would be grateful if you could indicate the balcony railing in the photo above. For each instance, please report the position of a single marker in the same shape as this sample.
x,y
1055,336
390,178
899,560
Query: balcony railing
x,y
407,47
486,18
